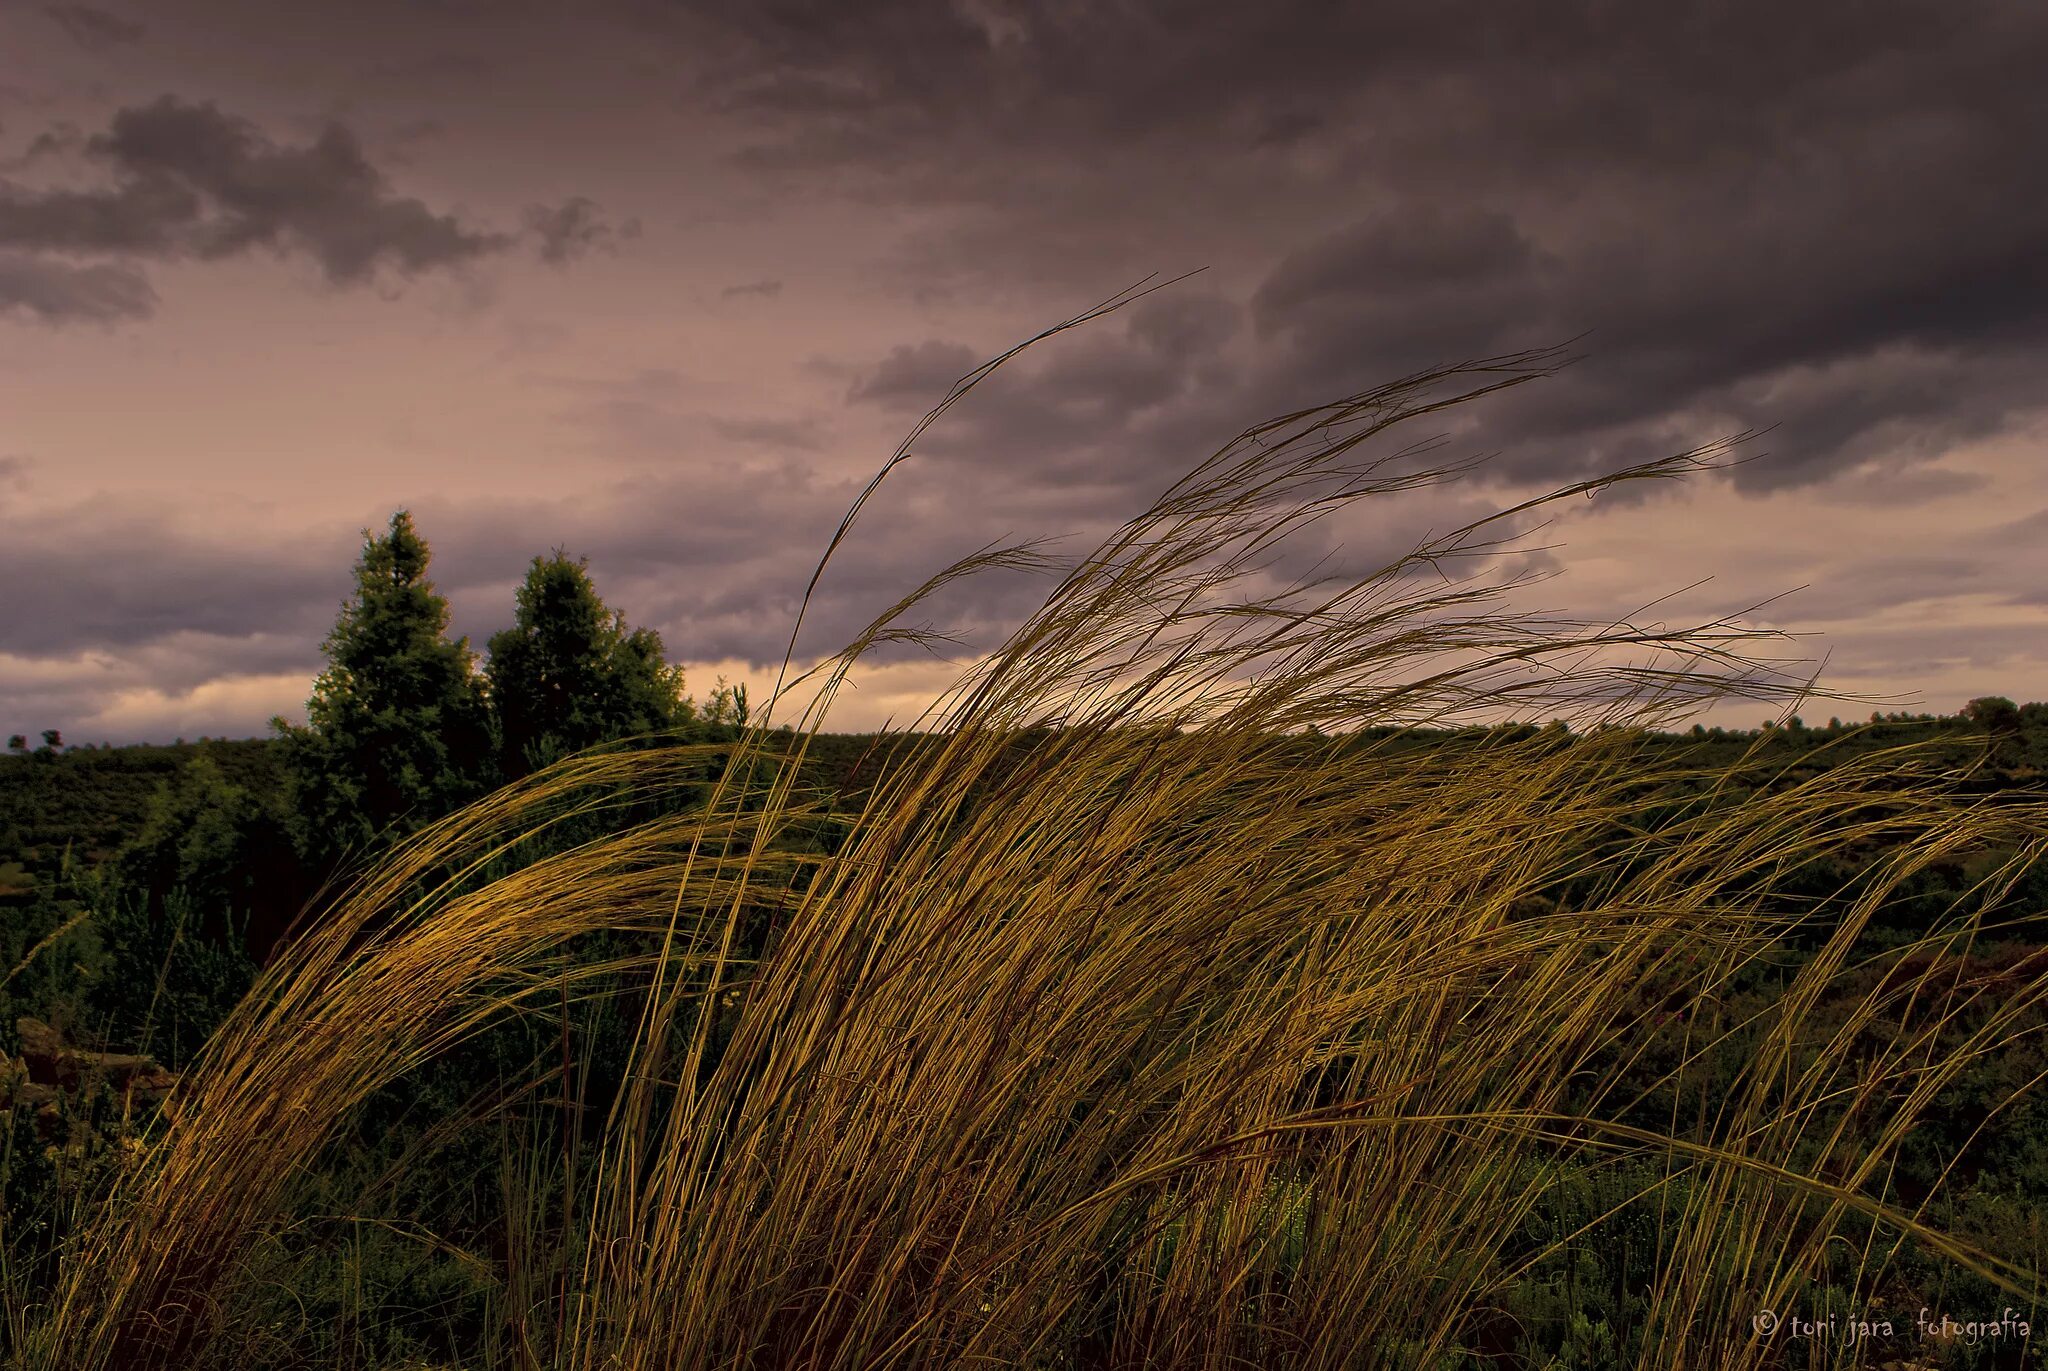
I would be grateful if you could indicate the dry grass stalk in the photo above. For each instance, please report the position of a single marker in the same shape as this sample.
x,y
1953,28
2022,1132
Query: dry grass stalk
x,y
1189,1038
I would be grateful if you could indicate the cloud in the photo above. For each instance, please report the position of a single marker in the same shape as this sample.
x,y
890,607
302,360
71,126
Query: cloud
x,y
54,293
116,575
915,375
137,628
145,629
59,140
131,614
1419,283
95,30
99,697
572,229
216,709
322,198
1716,218
1399,285
417,130
147,215
439,68
1123,406
777,433
191,181
1832,235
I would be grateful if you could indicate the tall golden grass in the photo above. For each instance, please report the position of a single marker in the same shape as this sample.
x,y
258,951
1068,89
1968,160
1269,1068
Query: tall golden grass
x,y
1151,1014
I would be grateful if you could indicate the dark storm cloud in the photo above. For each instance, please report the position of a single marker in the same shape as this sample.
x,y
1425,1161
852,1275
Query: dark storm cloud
x,y
1713,211
729,586
191,180
1422,280
53,293
58,140
177,663
323,198
1124,404
1818,218
2020,547
1773,323
143,216
119,579
128,604
1921,650
95,30
717,588
1898,403
915,375
574,227
1874,585
1472,81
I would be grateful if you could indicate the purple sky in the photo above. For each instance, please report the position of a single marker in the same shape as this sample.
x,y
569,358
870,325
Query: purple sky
x,y
663,284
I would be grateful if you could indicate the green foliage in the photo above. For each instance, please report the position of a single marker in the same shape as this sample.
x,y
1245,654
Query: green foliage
x,y
49,947
569,675
90,801
727,706
31,1212
175,910
170,979
219,842
397,732
371,1286
2004,728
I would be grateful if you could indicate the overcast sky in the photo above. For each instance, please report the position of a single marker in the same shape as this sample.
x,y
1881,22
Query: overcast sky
x,y
664,284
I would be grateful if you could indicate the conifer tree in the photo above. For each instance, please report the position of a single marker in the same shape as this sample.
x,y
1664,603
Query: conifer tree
x,y
397,733
568,674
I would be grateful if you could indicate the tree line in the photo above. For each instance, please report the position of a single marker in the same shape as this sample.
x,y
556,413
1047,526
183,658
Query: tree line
x,y
405,724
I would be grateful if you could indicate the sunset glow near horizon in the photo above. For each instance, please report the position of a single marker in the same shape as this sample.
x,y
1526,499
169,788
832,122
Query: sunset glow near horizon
x,y
664,284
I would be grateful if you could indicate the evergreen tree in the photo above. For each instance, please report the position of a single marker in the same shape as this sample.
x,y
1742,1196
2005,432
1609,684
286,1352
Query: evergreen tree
x,y
396,733
568,674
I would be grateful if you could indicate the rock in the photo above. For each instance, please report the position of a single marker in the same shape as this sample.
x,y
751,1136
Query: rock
x,y
50,1061
21,1093
50,1068
39,1041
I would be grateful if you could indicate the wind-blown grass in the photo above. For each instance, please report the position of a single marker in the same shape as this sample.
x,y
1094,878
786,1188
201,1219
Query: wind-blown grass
x,y
1150,1012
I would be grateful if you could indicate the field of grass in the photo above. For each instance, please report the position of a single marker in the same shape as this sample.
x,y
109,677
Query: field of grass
x,y
1204,982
